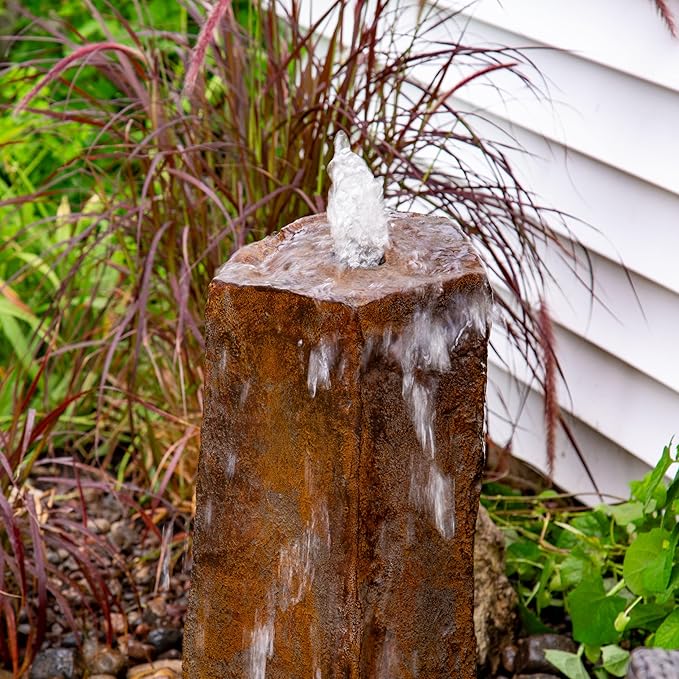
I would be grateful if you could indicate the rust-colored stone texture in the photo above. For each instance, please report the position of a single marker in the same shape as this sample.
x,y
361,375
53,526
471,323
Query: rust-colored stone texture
x,y
342,449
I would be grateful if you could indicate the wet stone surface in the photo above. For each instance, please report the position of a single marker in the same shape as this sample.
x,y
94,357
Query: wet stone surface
x,y
341,456
653,663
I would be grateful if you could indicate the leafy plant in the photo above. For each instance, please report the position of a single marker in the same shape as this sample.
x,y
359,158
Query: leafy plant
x,y
609,575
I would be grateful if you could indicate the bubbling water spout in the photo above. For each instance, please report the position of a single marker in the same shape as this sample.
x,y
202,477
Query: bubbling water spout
x,y
358,221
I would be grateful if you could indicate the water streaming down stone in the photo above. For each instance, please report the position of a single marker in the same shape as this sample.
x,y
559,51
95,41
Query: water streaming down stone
x,y
336,502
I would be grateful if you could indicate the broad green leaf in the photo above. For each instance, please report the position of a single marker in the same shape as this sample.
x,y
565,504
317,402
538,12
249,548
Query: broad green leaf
x,y
648,563
573,569
592,653
667,635
669,516
624,513
592,524
651,490
593,613
531,622
569,664
615,660
649,616
523,558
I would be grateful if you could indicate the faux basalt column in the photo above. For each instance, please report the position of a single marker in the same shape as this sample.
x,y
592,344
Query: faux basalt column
x,y
342,448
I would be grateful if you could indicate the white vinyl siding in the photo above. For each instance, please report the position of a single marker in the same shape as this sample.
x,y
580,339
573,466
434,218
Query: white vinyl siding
x,y
604,148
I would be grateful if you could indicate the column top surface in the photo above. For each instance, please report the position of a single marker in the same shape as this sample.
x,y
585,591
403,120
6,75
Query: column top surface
x,y
423,250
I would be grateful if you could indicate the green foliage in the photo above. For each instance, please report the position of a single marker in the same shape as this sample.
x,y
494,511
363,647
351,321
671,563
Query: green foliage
x,y
610,573
568,663
593,612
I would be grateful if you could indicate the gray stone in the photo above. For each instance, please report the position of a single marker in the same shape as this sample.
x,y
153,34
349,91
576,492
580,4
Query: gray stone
x,y
164,638
57,663
530,656
508,658
495,601
159,669
653,663
122,535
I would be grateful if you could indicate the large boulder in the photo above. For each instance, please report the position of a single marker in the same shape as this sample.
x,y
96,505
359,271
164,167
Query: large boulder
x,y
495,601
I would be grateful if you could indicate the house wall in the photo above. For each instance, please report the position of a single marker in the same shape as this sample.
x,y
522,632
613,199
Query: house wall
x,y
604,148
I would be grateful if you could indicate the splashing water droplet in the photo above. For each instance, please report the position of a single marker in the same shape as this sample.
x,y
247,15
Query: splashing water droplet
x,y
358,222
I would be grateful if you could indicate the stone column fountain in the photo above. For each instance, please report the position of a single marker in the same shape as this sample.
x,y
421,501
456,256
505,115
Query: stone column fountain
x,y
342,447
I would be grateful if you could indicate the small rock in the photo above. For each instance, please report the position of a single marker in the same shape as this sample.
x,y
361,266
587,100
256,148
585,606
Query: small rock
x,y
653,662
69,640
70,564
56,663
158,606
56,629
172,654
122,534
100,525
508,658
143,575
24,629
176,609
160,669
139,650
530,655
118,623
495,600
115,587
164,638
142,630
54,557
101,659
133,618
72,594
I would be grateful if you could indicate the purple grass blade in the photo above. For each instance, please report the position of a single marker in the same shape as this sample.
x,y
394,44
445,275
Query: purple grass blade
x,y
39,562
204,39
63,64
